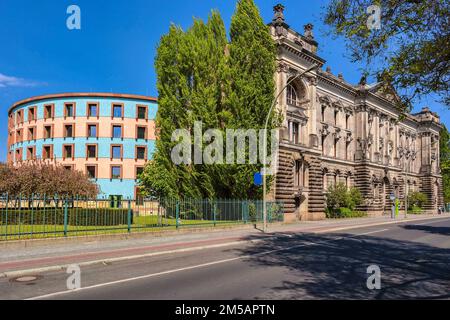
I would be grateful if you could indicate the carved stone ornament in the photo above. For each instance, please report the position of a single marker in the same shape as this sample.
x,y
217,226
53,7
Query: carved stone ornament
x,y
324,131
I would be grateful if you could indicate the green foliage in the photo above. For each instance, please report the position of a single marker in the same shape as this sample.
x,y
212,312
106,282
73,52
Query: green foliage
x,y
344,213
416,199
55,216
340,196
445,162
411,51
415,210
202,77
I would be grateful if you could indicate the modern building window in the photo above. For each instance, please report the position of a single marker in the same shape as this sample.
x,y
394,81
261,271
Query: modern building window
x,y
19,136
48,132
141,133
141,153
117,131
68,151
31,113
31,153
48,111
19,154
92,131
117,110
19,116
47,152
32,133
139,171
91,171
69,109
91,151
69,131
116,152
116,172
92,110
142,112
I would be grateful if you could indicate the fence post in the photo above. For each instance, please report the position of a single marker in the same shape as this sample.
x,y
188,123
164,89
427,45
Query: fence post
x,y
214,213
244,211
177,213
66,204
129,216
6,217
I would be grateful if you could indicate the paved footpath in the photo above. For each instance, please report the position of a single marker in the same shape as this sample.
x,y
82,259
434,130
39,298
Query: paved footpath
x,y
56,255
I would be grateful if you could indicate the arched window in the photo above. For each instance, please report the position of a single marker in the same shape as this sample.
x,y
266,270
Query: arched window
x,y
295,92
291,95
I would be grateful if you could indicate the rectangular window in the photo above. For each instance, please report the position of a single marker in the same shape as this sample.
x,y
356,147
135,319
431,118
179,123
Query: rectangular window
x,y
141,133
32,133
336,113
116,172
92,130
19,154
47,152
117,131
68,151
117,110
48,111
91,151
92,110
347,121
48,132
139,170
91,171
142,112
140,153
19,136
68,167
68,131
295,132
116,152
19,116
69,110
31,153
32,113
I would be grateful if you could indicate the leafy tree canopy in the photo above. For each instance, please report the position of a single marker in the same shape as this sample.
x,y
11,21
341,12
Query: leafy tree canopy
x,y
411,50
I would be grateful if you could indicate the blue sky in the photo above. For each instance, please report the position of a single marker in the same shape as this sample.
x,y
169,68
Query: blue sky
x,y
115,48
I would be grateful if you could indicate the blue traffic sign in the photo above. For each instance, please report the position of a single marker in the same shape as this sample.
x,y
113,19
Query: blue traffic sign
x,y
257,179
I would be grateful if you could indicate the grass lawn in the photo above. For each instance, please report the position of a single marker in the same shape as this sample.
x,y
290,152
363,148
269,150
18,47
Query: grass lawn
x,y
140,224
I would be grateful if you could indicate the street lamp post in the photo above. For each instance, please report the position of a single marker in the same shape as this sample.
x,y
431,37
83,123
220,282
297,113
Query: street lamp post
x,y
264,173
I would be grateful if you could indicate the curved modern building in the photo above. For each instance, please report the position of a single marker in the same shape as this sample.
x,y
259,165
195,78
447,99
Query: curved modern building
x,y
108,136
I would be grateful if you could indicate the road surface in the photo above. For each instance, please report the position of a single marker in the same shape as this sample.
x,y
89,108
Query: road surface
x,y
414,258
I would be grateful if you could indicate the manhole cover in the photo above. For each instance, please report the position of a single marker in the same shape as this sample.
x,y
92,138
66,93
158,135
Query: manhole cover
x,y
25,279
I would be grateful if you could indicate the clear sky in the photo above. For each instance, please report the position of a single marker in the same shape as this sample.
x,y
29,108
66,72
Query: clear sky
x,y
115,48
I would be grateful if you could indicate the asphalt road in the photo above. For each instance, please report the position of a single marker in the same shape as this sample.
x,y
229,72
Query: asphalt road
x,y
414,259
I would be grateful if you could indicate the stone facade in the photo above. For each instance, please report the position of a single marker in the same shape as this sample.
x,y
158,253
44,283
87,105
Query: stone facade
x,y
334,132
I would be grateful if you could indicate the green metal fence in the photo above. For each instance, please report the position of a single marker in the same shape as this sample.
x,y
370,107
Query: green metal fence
x,y
53,216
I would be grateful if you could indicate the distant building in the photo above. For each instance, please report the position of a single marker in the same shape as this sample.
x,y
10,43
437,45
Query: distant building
x,y
108,136
335,132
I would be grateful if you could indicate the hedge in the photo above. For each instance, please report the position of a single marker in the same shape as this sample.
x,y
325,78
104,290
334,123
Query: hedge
x,y
344,213
76,217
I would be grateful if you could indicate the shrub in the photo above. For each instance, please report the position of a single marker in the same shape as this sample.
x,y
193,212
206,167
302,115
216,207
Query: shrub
x,y
344,213
340,196
415,210
416,199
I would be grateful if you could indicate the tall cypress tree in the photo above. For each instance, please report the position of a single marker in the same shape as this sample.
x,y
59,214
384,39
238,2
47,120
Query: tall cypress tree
x,y
189,68
224,85
251,86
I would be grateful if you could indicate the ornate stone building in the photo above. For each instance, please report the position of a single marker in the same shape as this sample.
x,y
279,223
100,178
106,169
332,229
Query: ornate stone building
x,y
336,132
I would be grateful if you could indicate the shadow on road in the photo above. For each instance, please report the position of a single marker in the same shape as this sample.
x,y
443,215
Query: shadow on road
x,y
435,230
336,268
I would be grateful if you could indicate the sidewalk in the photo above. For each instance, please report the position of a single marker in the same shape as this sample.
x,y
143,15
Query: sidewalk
x,y
85,251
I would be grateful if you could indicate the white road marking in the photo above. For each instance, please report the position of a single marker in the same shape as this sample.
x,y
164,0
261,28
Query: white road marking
x,y
197,266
